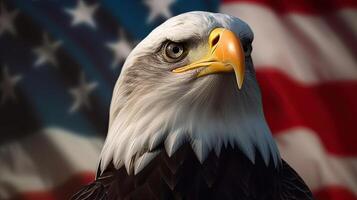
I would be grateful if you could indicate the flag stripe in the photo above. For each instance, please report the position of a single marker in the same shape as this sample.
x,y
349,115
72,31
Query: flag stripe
x,y
63,191
304,150
300,6
328,108
331,193
304,47
25,164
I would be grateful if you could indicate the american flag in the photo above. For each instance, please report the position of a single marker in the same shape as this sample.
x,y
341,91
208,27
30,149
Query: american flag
x,y
59,60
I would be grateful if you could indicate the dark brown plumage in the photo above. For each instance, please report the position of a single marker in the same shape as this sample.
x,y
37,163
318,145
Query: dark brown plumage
x,y
229,176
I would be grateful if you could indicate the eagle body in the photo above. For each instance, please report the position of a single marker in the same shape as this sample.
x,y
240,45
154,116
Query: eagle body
x,y
186,120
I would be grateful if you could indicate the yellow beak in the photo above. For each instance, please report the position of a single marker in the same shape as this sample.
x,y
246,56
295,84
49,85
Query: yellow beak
x,y
225,55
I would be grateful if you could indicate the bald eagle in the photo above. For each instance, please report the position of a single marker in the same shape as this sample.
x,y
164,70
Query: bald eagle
x,y
186,120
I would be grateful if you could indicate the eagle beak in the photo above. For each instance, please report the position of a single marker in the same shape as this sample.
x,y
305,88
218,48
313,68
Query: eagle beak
x,y
225,55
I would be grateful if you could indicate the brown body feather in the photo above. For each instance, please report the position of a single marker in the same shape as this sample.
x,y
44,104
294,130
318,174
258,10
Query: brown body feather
x,y
229,176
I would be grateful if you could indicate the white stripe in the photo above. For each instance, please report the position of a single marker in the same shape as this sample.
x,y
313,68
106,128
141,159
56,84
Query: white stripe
x,y
45,160
322,56
303,150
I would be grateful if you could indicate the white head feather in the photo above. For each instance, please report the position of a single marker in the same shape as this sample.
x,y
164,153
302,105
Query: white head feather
x,y
152,105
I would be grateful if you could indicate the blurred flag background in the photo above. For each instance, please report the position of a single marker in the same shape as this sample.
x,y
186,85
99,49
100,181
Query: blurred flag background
x,y
59,60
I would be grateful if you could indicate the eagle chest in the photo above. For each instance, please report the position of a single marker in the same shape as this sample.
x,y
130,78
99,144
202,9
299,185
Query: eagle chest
x,y
182,176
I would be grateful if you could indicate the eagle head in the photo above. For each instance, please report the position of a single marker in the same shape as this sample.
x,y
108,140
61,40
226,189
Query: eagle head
x,y
191,80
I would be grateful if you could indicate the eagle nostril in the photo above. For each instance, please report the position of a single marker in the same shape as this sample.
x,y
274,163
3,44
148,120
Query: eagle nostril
x,y
215,40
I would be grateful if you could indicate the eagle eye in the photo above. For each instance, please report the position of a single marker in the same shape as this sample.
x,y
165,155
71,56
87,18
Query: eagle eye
x,y
174,51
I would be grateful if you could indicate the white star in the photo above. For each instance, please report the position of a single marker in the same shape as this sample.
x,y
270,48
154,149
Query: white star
x,y
81,94
121,49
7,20
7,85
46,52
83,14
158,8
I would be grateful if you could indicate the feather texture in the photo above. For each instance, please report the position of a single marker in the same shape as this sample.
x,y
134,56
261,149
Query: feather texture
x,y
183,176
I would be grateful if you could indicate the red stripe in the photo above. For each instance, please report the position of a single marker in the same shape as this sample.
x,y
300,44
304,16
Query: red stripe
x,y
333,193
63,191
302,6
329,109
